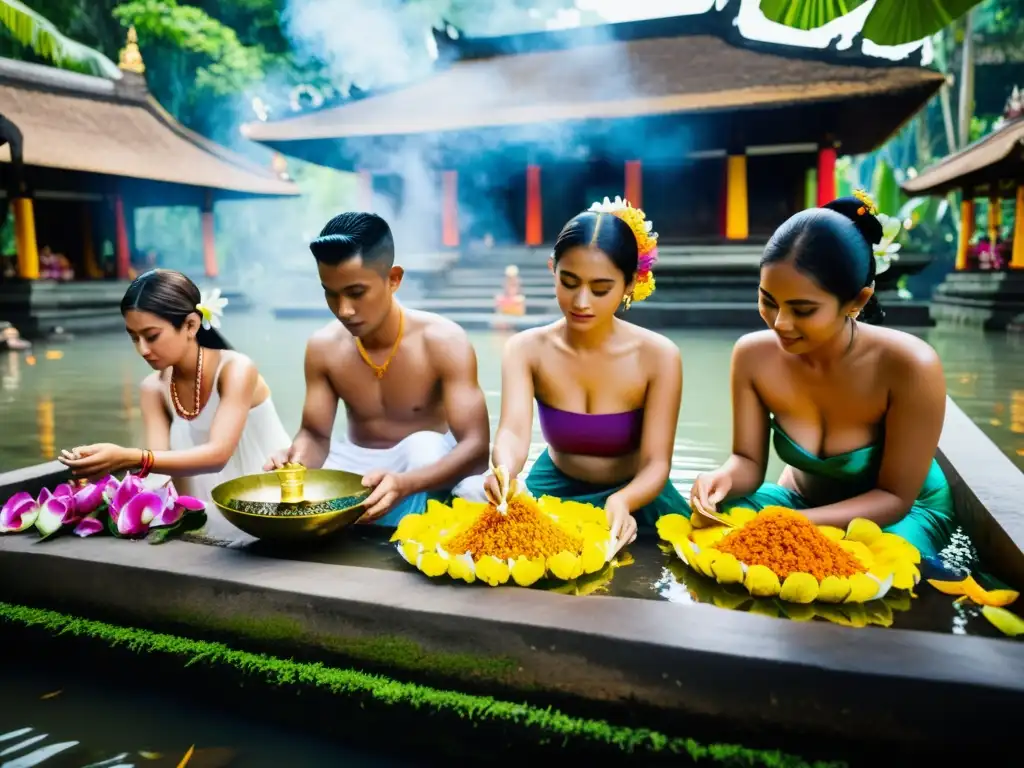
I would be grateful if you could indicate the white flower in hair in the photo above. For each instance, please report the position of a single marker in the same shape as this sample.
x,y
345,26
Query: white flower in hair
x,y
887,249
211,308
607,206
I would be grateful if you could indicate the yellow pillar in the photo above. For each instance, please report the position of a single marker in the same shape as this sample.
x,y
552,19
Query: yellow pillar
x,y
995,219
967,224
25,238
1017,258
92,267
737,220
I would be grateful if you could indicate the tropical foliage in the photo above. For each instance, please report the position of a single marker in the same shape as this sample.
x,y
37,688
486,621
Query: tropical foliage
x,y
890,22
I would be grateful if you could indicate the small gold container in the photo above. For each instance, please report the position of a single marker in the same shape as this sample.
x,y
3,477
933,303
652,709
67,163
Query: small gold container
x,y
292,477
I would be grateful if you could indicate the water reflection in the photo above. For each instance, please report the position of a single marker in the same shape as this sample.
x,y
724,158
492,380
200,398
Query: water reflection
x,y
82,718
45,428
93,386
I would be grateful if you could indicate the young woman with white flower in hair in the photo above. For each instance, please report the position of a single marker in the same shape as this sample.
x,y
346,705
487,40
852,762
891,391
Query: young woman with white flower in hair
x,y
607,391
207,412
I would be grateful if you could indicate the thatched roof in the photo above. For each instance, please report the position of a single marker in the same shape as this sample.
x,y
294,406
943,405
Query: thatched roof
x,y
90,124
642,69
999,157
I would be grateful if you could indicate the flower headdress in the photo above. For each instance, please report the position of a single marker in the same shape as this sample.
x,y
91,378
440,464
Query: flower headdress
x,y
886,250
646,242
210,308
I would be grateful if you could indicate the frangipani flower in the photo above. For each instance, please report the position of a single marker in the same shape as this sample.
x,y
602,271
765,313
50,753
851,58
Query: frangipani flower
x,y
890,561
211,307
19,513
887,249
424,541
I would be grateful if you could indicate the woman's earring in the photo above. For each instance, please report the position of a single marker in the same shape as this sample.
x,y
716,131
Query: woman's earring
x,y
627,301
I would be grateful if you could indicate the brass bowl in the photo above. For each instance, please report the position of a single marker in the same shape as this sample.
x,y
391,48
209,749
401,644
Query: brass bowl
x,y
317,485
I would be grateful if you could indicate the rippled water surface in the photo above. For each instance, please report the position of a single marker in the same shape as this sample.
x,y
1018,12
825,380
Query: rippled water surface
x,y
57,720
86,390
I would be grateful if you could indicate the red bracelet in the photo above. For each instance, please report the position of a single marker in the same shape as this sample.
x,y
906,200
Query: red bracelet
x,y
147,463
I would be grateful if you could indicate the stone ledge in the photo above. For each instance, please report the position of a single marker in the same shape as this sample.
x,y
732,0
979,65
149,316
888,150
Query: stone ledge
x,y
752,671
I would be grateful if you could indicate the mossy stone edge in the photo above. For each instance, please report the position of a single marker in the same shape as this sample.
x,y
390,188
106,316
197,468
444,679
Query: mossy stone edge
x,y
542,725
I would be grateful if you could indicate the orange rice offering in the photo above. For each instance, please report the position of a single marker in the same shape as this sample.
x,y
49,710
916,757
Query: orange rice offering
x,y
533,539
786,542
779,552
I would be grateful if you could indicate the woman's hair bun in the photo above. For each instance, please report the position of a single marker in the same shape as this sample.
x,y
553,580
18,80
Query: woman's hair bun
x,y
860,214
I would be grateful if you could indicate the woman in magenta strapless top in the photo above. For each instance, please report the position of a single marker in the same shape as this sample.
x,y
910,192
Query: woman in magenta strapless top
x,y
607,391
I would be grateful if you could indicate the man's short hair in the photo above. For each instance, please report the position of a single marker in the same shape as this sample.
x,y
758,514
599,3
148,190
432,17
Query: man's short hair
x,y
355,233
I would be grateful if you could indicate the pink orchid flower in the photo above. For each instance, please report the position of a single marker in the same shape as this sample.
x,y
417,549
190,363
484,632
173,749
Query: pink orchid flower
x,y
135,511
19,513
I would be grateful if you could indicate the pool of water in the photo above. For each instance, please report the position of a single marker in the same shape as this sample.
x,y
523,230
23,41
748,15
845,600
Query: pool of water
x,y
86,390
73,720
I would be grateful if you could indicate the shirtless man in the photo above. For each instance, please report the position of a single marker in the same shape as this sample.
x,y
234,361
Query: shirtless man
x,y
417,418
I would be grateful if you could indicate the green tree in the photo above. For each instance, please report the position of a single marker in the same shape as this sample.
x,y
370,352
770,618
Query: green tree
x,y
890,22
31,29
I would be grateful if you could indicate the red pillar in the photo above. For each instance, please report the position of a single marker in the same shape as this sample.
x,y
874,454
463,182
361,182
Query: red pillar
x,y
121,248
450,209
209,246
826,175
635,183
534,228
364,191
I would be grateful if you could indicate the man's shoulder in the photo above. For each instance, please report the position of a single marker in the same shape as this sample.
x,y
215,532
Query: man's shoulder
x,y
328,335
440,330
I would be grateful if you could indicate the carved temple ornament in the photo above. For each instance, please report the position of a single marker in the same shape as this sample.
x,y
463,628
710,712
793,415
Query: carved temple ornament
x,y
131,57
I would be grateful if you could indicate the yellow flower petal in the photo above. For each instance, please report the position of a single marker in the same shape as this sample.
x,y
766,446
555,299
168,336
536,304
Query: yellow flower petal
x,y
565,565
672,527
701,562
863,530
859,551
409,527
410,551
904,573
970,588
432,564
862,588
594,556
726,569
1006,622
834,589
761,581
706,538
526,571
832,533
891,545
799,588
739,516
491,570
461,567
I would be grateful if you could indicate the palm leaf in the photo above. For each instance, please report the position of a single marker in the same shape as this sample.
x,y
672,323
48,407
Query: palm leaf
x,y
38,33
809,14
895,22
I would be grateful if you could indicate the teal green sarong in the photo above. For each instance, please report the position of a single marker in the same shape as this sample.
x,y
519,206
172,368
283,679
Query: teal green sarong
x,y
545,479
928,525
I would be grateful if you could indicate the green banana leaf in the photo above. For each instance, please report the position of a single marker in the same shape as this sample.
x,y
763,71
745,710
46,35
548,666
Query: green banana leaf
x,y
890,22
38,33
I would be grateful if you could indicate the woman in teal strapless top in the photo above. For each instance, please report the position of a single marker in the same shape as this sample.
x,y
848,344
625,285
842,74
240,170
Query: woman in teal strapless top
x,y
854,410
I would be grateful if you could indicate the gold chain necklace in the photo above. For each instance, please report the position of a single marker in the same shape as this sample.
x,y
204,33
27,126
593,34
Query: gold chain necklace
x,y
380,370
190,415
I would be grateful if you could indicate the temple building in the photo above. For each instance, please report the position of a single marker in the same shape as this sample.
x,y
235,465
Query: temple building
x,y
719,138
987,285
79,154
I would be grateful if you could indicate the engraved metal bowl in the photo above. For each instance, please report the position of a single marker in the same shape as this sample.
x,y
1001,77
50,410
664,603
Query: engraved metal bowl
x,y
318,485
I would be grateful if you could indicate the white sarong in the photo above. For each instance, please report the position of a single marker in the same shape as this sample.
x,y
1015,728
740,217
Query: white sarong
x,y
418,450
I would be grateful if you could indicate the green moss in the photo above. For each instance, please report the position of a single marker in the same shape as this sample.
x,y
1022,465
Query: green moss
x,y
388,651
548,724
